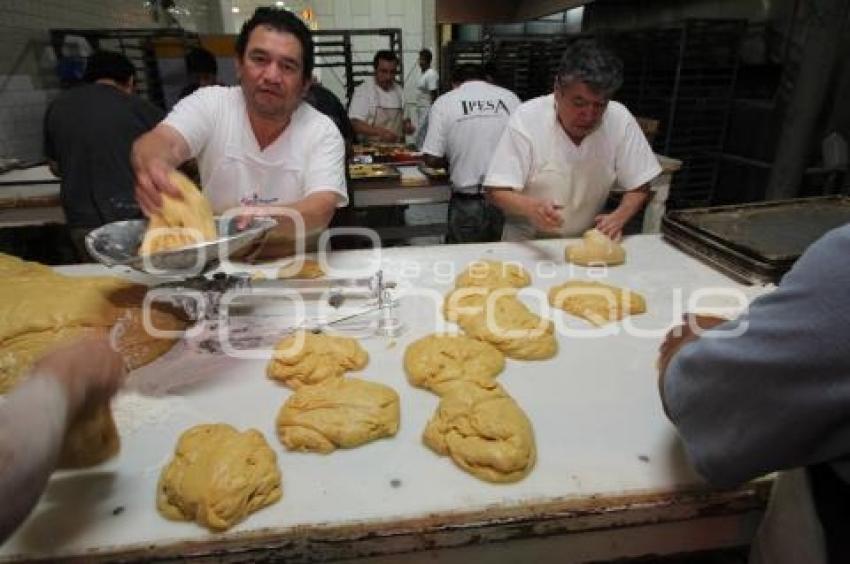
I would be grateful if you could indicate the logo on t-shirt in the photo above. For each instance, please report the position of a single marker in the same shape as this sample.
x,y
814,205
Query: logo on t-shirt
x,y
479,107
256,200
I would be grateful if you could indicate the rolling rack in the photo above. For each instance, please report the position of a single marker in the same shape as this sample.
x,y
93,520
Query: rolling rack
x,y
137,45
684,77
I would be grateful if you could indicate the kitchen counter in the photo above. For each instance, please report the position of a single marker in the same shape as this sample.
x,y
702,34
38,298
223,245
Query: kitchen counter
x,y
611,479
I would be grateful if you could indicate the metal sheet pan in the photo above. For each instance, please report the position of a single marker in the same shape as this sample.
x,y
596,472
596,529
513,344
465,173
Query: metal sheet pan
x,y
755,242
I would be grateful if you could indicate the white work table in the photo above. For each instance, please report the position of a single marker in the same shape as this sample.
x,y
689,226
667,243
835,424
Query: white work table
x,y
611,478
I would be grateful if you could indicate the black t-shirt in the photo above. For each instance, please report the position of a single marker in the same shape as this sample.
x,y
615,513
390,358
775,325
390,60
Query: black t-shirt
x,y
89,131
326,102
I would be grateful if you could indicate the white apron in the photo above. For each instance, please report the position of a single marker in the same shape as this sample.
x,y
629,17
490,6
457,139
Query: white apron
x,y
388,118
581,188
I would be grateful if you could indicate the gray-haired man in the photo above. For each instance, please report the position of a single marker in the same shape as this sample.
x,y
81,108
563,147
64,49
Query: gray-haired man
x,y
561,154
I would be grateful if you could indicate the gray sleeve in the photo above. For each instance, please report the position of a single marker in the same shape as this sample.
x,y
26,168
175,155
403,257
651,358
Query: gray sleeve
x,y
778,396
32,427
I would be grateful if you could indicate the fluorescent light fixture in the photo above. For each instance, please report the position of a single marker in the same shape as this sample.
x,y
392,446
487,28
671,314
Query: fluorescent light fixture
x,y
235,9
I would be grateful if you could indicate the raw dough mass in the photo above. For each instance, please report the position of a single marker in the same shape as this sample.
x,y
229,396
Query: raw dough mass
x,y
180,222
218,476
596,302
498,317
484,432
338,413
92,438
40,309
436,361
595,249
308,358
493,274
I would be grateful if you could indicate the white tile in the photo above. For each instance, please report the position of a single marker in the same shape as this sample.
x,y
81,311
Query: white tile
x,y
360,7
395,7
342,14
323,7
378,12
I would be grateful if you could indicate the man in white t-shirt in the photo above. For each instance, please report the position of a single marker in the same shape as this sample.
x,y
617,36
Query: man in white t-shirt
x,y
377,105
259,146
426,93
464,127
561,154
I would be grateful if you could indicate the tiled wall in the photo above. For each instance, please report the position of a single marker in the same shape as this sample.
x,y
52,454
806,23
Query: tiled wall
x,y
27,77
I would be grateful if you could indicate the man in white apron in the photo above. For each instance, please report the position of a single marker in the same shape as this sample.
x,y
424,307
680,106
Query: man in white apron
x,y
259,146
561,154
377,105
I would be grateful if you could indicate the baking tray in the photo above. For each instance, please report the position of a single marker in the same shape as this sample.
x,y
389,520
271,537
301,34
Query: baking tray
x,y
755,243
435,173
379,172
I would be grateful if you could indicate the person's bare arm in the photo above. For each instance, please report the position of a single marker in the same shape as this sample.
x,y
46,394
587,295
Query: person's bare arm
x,y
364,129
545,215
316,211
35,417
612,223
154,156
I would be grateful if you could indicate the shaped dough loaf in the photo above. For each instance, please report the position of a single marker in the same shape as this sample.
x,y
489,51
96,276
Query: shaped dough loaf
x,y
596,248
180,222
308,358
484,432
218,476
596,302
498,317
436,361
493,274
338,413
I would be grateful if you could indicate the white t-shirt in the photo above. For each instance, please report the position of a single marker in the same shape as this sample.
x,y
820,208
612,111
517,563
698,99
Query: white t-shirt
x,y
428,82
368,97
465,125
533,135
307,157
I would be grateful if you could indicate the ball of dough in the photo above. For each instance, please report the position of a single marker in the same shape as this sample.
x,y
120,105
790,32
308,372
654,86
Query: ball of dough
x,y
338,413
493,274
309,358
218,476
435,361
484,432
92,438
498,317
181,221
596,302
596,248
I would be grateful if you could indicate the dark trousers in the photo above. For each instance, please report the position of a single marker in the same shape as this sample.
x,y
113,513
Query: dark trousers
x,y
832,503
473,220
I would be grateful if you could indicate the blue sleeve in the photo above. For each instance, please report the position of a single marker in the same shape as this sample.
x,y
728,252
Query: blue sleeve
x,y
777,396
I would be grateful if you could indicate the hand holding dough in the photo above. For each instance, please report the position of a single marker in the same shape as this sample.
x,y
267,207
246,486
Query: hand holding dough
x,y
484,432
338,413
218,476
308,358
596,302
180,222
436,361
596,248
